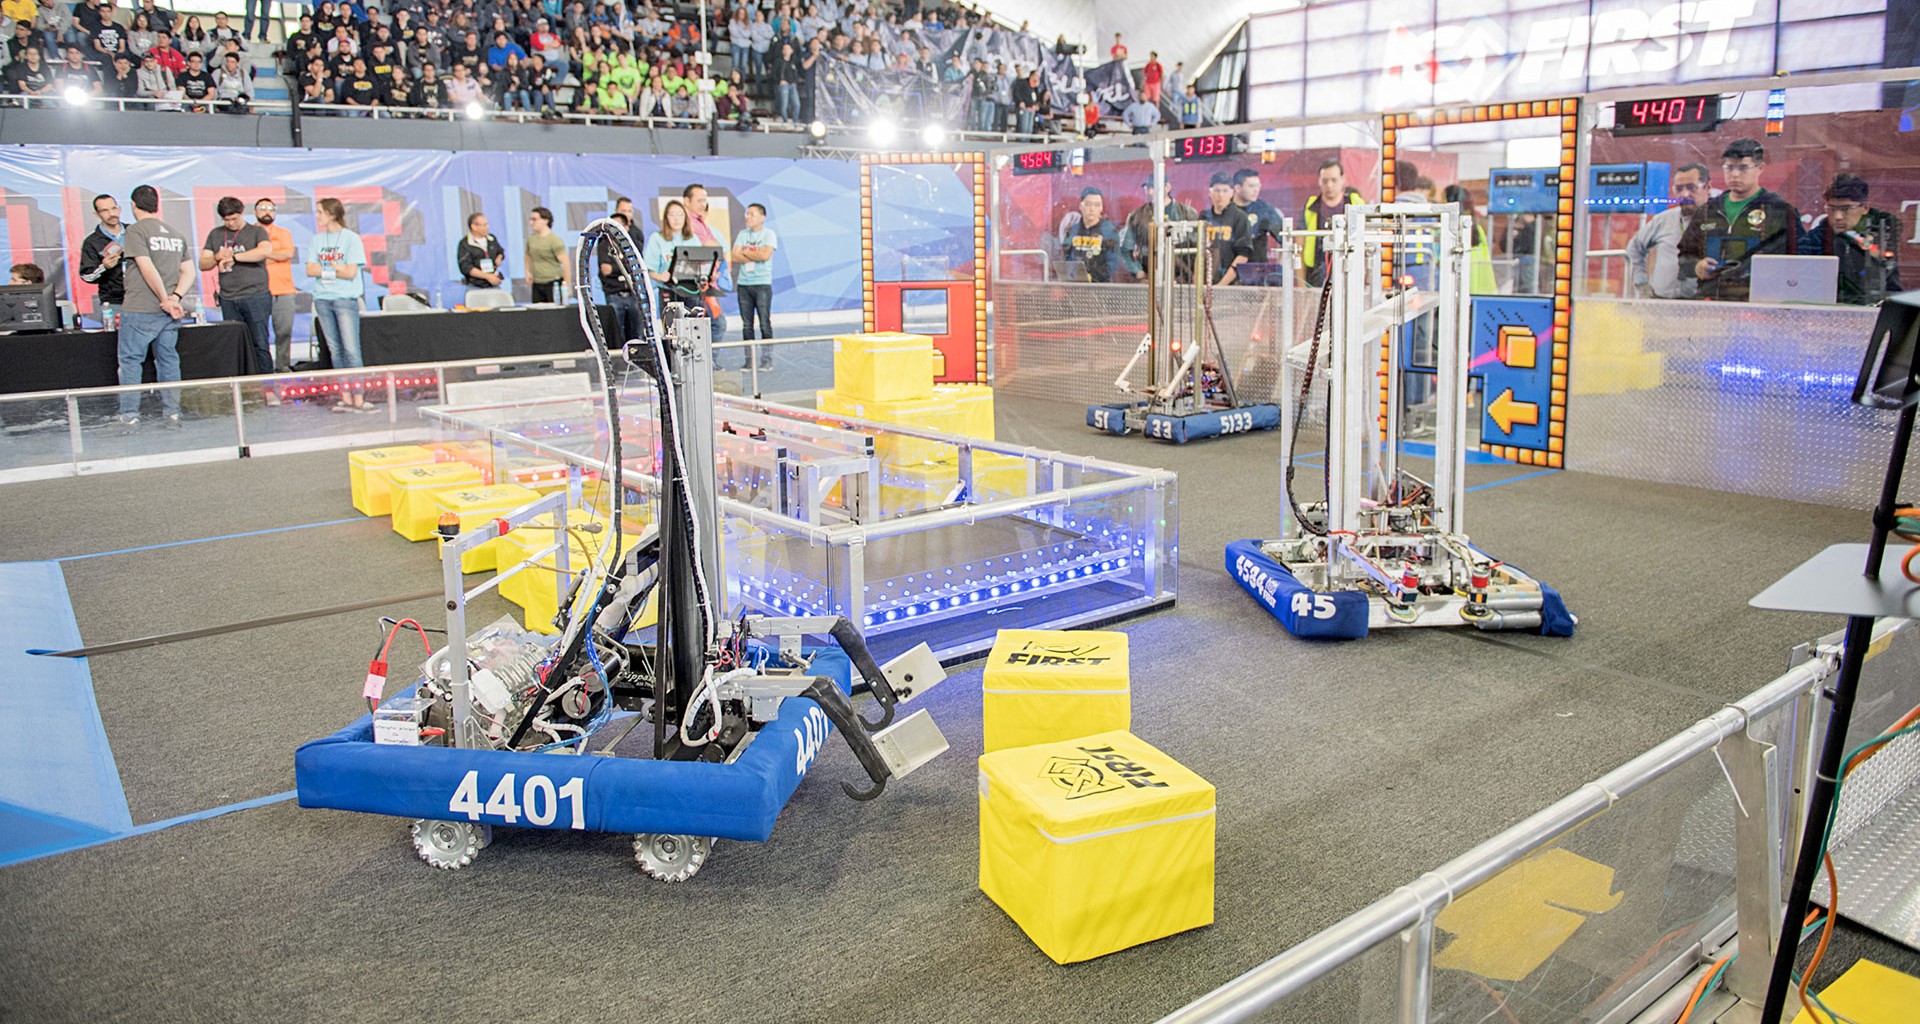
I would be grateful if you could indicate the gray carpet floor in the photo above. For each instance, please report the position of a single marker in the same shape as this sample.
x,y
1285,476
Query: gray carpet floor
x,y
1343,770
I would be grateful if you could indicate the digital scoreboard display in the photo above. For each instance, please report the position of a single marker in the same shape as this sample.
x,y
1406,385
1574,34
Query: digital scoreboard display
x,y
1675,116
1046,161
1205,147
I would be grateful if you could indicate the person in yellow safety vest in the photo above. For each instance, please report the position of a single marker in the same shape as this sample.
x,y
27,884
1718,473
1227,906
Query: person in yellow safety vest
x,y
1320,212
1480,257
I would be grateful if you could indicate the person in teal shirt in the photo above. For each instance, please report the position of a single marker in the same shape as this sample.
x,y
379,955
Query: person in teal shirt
x,y
753,279
335,263
675,232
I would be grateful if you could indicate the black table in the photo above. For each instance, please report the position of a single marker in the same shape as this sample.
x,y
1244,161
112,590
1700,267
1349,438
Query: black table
x,y
64,360
435,337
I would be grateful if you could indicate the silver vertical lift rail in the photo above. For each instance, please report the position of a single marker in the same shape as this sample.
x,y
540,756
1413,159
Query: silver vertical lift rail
x,y
1382,546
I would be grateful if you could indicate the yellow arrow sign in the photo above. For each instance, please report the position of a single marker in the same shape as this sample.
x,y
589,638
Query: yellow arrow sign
x,y
1506,412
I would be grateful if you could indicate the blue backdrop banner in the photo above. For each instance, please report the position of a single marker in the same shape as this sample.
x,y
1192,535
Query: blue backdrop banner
x,y
410,207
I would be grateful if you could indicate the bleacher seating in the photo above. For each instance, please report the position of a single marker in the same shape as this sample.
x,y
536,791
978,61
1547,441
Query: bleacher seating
x,y
616,63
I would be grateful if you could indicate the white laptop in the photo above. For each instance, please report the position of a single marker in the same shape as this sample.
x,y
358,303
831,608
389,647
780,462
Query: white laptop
x,y
1799,279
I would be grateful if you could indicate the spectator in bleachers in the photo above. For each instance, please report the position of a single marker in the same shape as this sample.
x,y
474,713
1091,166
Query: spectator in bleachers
x,y
107,39
23,37
423,52
545,44
123,82
430,90
462,88
193,38
233,86
357,88
541,82
159,17
344,43
299,39
222,31
380,64
315,85
168,54
195,84
142,36
29,76
156,81
55,22
76,73
786,74
503,50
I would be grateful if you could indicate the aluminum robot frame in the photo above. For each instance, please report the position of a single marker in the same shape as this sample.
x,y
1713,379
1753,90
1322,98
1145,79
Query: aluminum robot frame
x,y
1190,390
739,707
1383,547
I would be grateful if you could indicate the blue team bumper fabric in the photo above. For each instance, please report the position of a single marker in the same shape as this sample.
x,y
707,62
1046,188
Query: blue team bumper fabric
x,y
348,771
1337,616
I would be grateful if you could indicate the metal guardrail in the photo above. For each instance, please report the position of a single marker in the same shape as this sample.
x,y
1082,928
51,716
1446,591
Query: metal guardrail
x,y
1752,767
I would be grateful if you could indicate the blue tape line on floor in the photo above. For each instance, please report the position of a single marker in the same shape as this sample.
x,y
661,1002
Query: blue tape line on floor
x,y
1424,450
1512,479
83,842
203,540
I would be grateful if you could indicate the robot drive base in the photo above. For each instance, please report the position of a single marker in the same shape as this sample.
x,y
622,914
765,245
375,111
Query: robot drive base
x,y
1289,579
1124,418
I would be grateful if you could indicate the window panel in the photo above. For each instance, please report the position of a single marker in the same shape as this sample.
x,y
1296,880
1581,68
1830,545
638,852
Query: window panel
x,y
1277,100
1276,64
1814,10
1276,29
1835,43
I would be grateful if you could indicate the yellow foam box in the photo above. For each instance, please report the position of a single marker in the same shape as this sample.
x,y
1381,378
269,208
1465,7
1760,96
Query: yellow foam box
x,y
367,479
1045,685
415,490
975,402
543,475
478,454
1096,844
935,414
537,590
912,488
885,366
474,506
1001,476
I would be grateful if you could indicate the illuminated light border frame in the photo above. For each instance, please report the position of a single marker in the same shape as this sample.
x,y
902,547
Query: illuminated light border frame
x,y
982,372
1568,111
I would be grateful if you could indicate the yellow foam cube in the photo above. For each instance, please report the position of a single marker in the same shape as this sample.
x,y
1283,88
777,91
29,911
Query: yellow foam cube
x,y
1096,844
934,414
1044,685
366,479
537,590
474,506
913,488
885,366
975,402
478,454
414,490
1001,476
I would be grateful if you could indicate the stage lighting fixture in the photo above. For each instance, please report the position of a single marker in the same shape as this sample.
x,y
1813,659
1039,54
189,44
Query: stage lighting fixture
x,y
78,97
475,111
817,129
934,135
882,132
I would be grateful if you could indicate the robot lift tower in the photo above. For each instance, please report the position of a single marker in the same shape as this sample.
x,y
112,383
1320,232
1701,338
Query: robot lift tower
x,y
1380,546
1179,385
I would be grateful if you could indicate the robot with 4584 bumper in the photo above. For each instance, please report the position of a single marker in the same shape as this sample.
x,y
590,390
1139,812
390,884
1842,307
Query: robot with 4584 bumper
x,y
1382,547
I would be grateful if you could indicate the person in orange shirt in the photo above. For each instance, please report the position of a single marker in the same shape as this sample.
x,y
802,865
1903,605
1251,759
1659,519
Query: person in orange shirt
x,y
279,283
